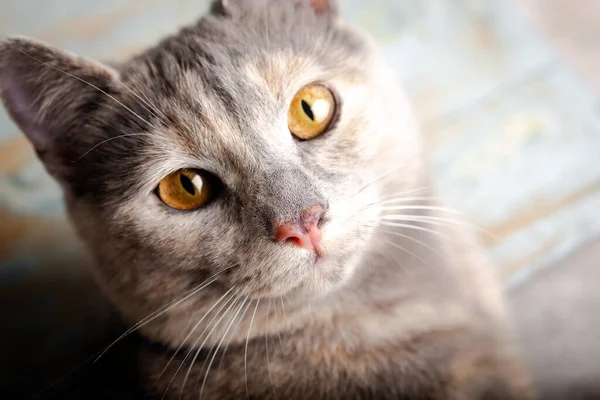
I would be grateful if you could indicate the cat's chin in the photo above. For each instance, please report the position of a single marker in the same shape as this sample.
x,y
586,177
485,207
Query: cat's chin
x,y
327,275
323,275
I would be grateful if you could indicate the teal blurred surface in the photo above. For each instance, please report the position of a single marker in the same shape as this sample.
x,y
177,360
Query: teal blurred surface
x,y
513,134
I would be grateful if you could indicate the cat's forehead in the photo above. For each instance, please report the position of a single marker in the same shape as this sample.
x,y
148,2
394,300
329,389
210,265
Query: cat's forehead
x,y
224,88
224,85
237,101
274,54
216,116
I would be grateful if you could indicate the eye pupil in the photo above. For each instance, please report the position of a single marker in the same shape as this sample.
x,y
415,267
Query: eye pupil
x,y
188,189
187,184
311,112
308,110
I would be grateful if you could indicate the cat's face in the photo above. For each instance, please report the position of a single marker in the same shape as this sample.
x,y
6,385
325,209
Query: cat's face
x,y
281,217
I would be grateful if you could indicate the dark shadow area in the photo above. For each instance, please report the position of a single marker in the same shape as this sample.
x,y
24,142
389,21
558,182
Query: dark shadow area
x,y
54,317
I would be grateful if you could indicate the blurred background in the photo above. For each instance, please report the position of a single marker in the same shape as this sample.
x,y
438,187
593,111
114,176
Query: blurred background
x,y
507,92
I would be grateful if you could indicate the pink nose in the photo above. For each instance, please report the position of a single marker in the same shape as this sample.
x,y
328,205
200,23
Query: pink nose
x,y
304,233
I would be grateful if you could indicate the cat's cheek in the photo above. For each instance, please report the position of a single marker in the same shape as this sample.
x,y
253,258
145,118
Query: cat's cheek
x,y
350,224
339,223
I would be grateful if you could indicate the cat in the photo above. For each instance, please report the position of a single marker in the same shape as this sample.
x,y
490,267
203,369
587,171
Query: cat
x,y
254,195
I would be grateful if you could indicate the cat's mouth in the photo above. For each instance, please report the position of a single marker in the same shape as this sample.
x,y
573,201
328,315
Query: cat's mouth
x,y
305,259
317,276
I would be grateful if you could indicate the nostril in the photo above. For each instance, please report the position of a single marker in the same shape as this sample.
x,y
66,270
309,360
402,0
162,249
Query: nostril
x,y
294,234
313,217
305,232
294,240
321,221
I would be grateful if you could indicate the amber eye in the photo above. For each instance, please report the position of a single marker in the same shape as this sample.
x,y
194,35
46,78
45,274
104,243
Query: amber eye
x,y
311,112
187,189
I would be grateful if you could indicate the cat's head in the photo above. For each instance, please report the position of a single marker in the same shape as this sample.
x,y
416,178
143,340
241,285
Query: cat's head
x,y
249,147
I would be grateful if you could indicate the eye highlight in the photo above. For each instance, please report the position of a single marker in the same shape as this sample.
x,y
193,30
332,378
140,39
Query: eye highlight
x,y
311,112
187,189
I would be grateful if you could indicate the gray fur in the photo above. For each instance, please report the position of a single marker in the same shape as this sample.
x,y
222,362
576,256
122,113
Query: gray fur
x,y
383,316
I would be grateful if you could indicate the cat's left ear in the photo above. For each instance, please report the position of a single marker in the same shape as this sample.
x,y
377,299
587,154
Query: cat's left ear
x,y
51,95
320,7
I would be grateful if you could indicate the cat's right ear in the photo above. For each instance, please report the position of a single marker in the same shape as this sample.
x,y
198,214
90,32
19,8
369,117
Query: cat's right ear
x,y
229,7
232,7
50,94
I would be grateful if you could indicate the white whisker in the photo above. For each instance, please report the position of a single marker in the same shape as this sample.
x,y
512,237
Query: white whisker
x,y
192,348
214,349
165,308
419,228
190,334
400,200
412,239
279,330
407,251
110,140
379,179
439,221
219,345
411,192
195,344
87,83
140,101
246,350
267,349
157,112
416,207
234,331
420,242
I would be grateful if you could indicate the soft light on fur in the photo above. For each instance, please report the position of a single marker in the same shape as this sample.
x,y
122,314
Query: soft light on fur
x,y
403,305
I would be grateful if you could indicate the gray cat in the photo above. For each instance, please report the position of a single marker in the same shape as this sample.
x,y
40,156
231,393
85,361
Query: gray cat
x,y
253,193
